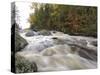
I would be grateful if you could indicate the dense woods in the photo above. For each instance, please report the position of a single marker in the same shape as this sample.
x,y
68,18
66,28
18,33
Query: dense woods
x,y
77,20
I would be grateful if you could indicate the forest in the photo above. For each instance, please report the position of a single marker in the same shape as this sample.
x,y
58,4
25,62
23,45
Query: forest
x,y
76,20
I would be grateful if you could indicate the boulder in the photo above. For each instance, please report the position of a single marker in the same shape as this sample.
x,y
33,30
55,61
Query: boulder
x,y
82,41
44,32
30,33
94,43
91,55
22,65
20,42
16,40
57,33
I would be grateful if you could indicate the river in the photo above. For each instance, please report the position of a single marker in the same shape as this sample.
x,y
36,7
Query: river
x,y
57,52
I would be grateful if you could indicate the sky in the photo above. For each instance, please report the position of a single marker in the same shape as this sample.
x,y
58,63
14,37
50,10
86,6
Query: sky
x,y
23,12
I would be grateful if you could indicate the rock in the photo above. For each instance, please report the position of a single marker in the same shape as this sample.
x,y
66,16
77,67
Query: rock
x,y
44,32
24,66
94,43
62,40
53,31
83,42
88,54
84,52
57,33
16,40
54,38
30,33
20,42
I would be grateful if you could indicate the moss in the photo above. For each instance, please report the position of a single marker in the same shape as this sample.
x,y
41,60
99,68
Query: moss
x,y
24,66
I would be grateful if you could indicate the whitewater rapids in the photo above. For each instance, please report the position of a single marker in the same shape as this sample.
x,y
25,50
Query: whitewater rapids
x,y
52,54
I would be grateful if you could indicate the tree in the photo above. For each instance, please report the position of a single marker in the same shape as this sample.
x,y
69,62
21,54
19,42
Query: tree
x,y
69,19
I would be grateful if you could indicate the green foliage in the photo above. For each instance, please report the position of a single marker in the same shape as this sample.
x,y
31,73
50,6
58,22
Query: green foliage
x,y
65,18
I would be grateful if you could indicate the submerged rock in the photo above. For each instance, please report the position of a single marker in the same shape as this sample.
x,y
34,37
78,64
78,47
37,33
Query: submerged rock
x,y
57,49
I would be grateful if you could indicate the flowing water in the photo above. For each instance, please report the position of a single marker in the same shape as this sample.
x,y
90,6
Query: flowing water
x,y
54,52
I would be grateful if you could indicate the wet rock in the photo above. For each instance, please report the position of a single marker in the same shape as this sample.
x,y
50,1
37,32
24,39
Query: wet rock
x,y
30,33
83,42
62,40
94,43
20,42
54,38
91,55
44,32
57,33
17,41
24,66
53,31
